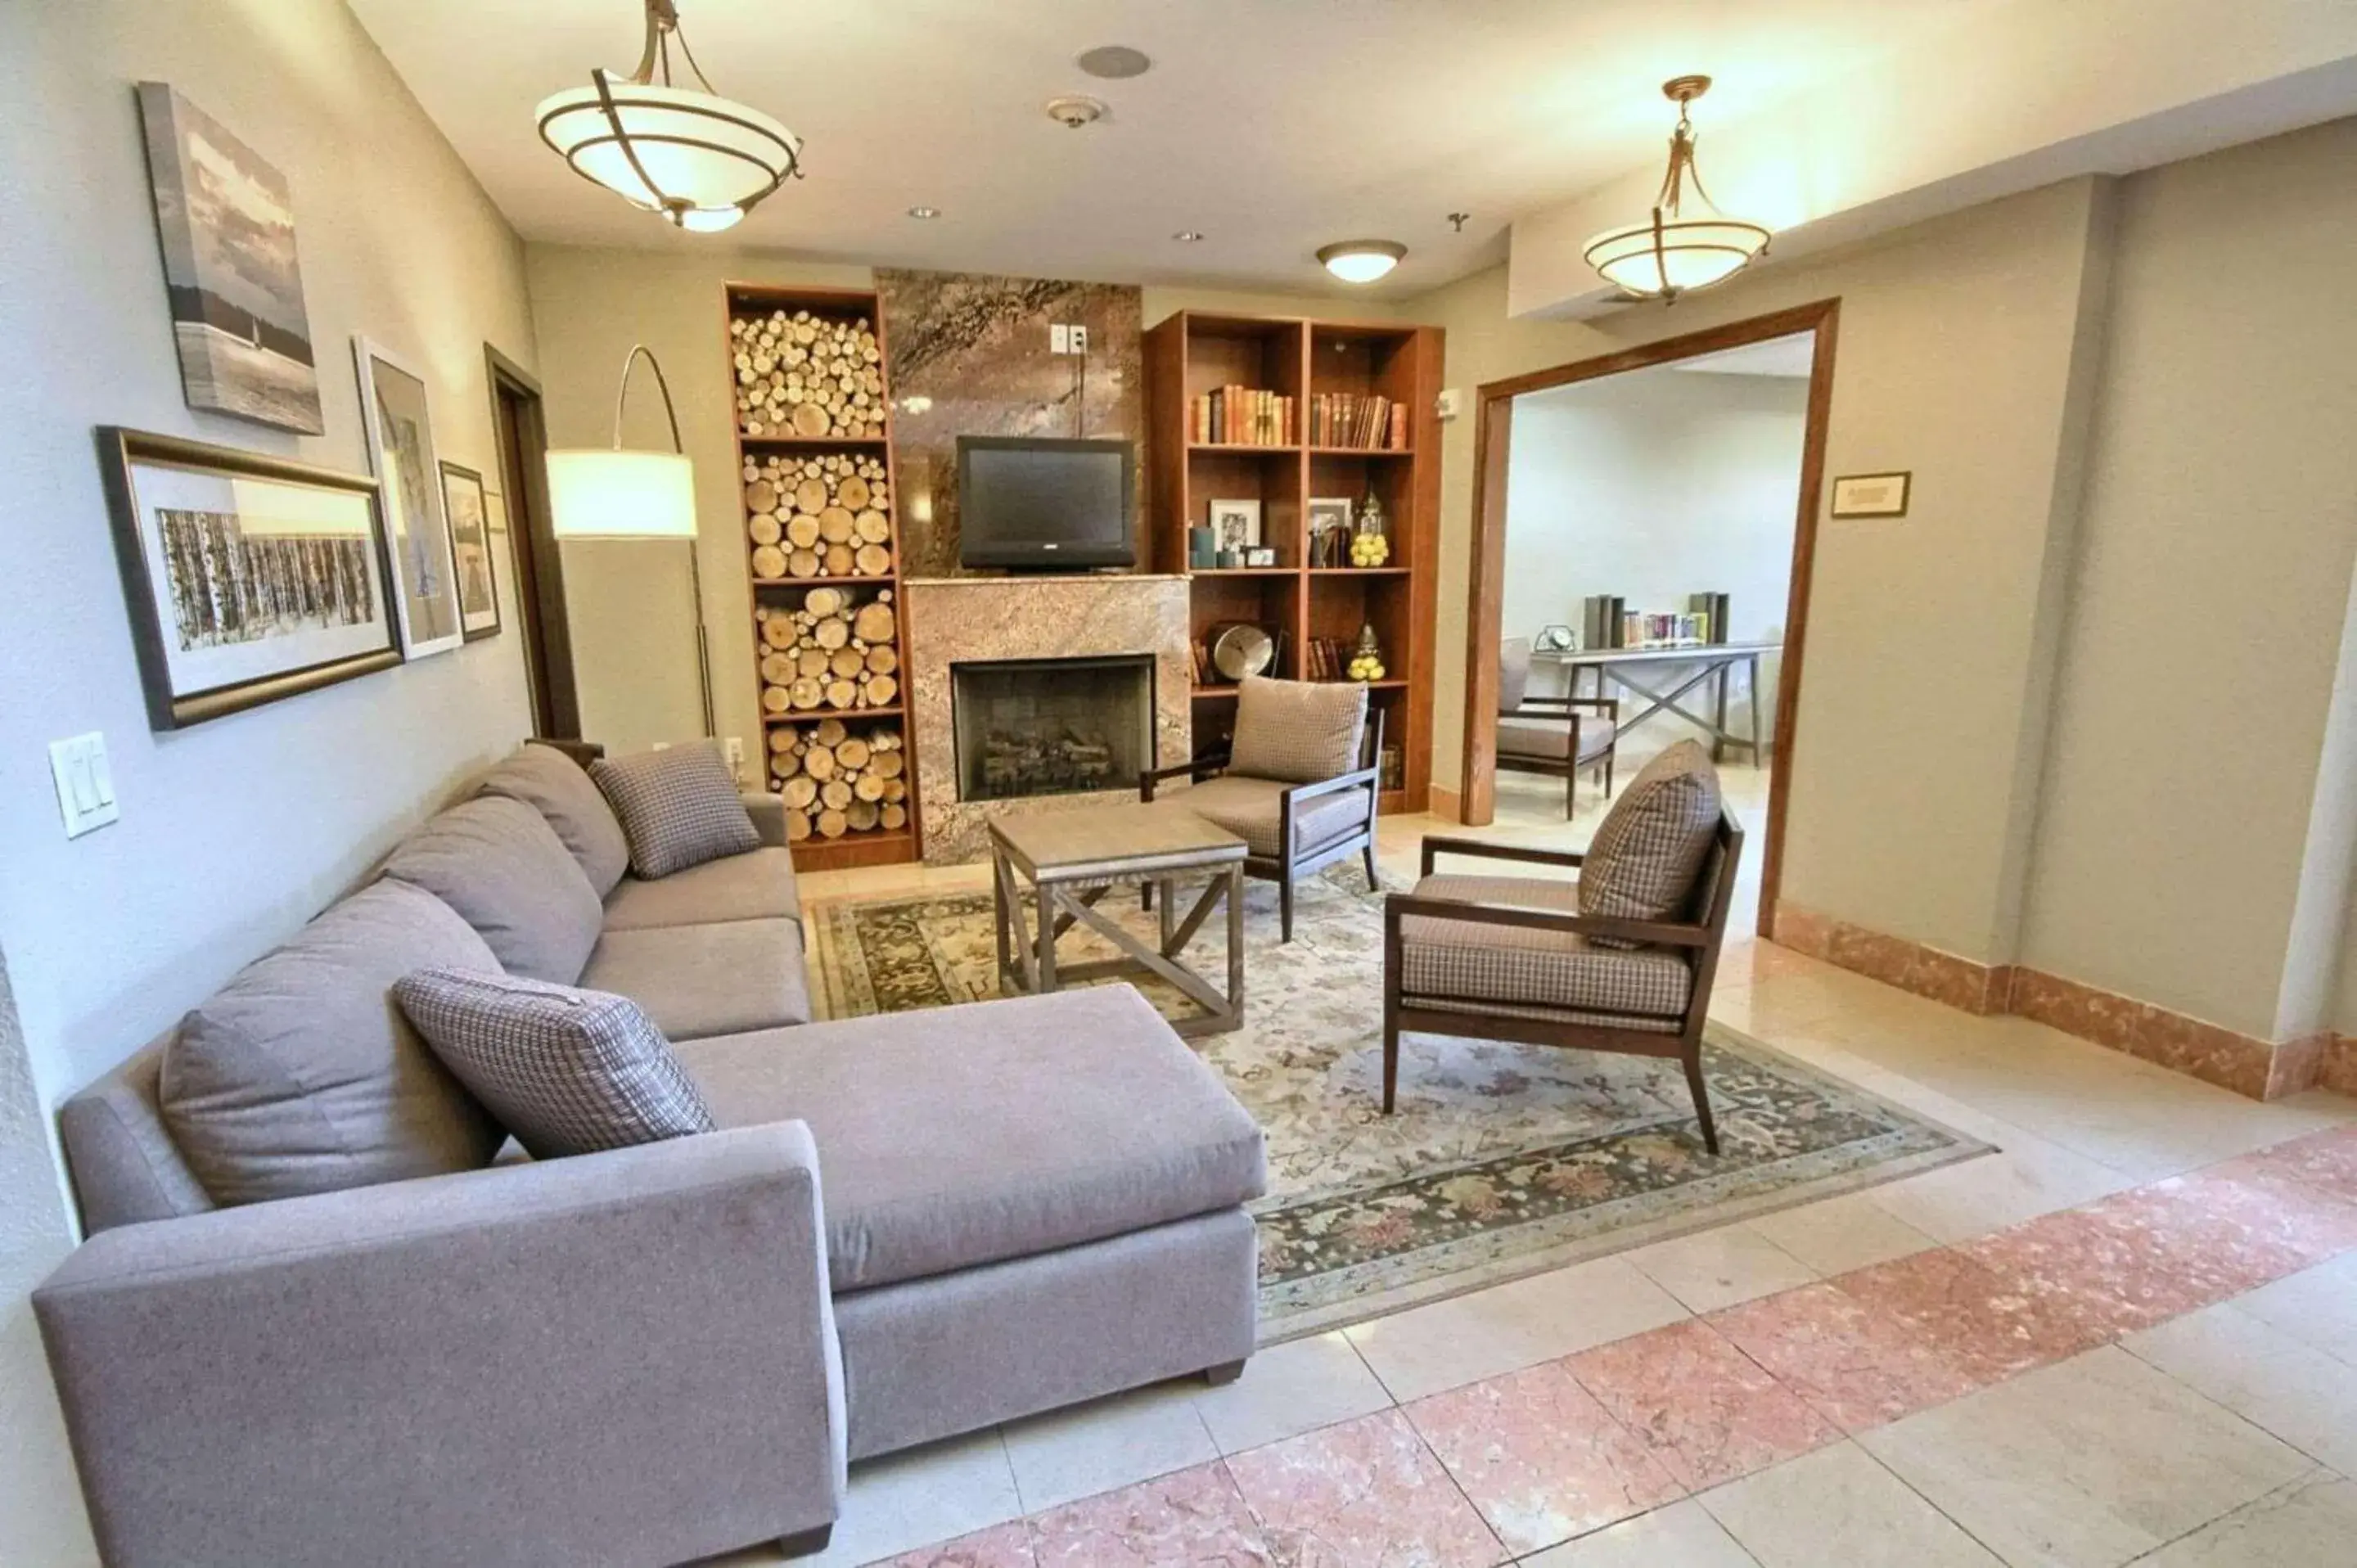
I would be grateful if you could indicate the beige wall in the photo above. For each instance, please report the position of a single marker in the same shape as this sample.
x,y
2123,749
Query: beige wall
x,y
2189,783
234,832
1921,712
633,649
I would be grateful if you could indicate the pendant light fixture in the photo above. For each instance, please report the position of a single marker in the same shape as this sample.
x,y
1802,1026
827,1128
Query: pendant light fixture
x,y
1686,244
697,158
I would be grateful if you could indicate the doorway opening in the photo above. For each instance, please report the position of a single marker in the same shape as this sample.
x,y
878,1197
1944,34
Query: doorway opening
x,y
1645,526
521,435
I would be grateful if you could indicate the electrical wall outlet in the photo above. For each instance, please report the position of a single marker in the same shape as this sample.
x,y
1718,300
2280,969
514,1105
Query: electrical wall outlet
x,y
735,748
1076,337
85,785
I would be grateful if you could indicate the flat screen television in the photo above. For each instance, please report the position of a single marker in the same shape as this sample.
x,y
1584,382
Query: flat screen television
x,y
1043,505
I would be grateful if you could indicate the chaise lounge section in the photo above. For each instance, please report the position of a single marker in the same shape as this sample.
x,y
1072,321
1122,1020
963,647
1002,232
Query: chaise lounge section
x,y
907,1227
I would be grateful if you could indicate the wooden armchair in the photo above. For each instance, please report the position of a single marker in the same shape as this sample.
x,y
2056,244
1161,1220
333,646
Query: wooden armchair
x,y
1551,735
1291,826
1508,958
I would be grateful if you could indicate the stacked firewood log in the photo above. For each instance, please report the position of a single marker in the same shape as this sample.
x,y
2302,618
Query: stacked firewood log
x,y
818,517
829,655
812,376
839,780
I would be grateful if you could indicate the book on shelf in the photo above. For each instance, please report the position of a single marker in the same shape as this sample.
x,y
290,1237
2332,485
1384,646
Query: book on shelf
x,y
1203,663
1363,422
1241,416
1713,608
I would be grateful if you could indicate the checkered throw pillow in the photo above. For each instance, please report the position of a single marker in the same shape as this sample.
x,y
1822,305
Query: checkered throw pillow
x,y
567,1071
1649,847
679,807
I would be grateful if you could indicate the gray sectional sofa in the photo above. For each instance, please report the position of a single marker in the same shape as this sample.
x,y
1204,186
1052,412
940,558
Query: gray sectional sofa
x,y
395,1346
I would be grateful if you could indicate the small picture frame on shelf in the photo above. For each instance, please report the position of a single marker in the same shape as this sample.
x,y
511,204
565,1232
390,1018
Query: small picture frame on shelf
x,y
1329,531
1235,524
1261,555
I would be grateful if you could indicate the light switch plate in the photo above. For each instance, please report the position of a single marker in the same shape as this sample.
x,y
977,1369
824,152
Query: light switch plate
x,y
85,784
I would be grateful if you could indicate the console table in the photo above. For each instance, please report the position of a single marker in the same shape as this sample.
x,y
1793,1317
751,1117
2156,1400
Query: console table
x,y
1673,673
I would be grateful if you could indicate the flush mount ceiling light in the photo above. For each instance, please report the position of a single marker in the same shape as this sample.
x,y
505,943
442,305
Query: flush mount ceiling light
x,y
1681,245
1360,261
924,212
1113,63
1189,236
697,158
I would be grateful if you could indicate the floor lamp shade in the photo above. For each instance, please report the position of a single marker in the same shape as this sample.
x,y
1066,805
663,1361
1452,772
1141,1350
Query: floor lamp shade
x,y
598,493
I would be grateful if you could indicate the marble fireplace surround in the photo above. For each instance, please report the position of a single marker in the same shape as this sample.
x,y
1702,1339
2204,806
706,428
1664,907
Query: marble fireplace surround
x,y
954,619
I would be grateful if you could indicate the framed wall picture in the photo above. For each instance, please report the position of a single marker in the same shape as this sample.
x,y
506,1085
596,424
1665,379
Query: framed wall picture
x,y
417,532
1871,495
248,578
467,505
1235,524
227,225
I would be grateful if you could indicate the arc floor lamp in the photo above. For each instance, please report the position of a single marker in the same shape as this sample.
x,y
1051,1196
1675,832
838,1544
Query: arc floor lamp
x,y
599,492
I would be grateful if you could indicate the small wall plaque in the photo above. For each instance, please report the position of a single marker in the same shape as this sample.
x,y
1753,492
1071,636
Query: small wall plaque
x,y
1871,495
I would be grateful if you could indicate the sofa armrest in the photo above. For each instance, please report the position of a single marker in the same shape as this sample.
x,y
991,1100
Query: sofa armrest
x,y
769,814
621,1356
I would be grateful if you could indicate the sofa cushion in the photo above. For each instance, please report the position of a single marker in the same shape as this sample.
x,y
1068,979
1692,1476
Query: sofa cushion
x,y
560,790
1249,808
1527,966
301,1076
960,1136
1648,849
718,979
501,866
567,1071
679,807
758,885
1299,731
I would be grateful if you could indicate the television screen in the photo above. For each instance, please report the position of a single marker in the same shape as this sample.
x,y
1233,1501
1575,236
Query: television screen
x,y
1045,504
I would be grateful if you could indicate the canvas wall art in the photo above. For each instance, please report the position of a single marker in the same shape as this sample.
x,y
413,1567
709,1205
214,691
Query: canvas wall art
x,y
227,225
401,451
248,578
467,505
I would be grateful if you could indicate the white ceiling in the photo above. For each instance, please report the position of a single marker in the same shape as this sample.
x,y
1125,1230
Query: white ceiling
x,y
1273,127
1789,356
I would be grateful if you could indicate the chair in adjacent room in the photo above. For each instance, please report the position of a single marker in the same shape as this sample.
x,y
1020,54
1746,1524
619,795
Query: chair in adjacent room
x,y
1621,960
1297,782
1551,735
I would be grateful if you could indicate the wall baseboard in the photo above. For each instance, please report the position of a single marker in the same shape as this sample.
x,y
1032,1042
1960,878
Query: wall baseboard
x,y
2262,1070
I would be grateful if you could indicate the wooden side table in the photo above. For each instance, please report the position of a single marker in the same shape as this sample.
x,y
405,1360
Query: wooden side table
x,y
1072,859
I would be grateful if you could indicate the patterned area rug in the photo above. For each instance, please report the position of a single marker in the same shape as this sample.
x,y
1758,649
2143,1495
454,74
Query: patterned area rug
x,y
1502,1160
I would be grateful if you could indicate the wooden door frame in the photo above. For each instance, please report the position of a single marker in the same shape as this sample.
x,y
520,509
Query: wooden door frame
x,y
539,565
1493,427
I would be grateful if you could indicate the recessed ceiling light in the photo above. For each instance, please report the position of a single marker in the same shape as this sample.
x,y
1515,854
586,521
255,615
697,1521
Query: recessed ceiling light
x,y
1113,63
924,212
1188,236
1362,261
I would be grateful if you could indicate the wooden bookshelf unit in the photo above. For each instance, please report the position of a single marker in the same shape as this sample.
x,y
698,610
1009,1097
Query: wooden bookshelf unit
x,y
1192,353
782,592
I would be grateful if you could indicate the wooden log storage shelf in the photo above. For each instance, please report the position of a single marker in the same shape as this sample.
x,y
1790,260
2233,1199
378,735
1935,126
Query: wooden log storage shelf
x,y
823,552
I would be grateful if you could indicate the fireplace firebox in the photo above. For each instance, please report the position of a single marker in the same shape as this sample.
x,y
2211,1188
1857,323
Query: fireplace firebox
x,y
1051,727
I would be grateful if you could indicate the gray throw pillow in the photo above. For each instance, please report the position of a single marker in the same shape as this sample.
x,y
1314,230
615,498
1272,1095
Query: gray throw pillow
x,y
502,867
560,790
1648,849
567,1071
1297,731
679,807
301,1076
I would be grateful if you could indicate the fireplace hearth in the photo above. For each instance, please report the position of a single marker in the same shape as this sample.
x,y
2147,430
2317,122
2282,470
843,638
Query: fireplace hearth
x,y
1051,727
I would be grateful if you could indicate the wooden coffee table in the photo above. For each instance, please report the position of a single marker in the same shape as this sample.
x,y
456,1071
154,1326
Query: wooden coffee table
x,y
1073,858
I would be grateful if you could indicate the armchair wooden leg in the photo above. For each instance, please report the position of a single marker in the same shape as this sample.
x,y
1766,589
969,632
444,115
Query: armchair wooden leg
x,y
1146,896
1390,1048
1701,1097
1285,904
1374,883
1571,794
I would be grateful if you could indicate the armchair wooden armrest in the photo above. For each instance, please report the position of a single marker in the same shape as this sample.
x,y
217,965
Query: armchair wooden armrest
x,y
1201,767
1657,933
1360,778
1437,846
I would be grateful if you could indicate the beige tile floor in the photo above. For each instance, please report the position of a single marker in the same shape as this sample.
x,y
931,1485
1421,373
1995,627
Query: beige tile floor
x,y
2222,1436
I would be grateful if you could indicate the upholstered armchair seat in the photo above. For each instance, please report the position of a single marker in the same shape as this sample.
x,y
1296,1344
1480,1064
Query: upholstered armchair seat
x,y
1553,740
1254,809
1559,737
1476,963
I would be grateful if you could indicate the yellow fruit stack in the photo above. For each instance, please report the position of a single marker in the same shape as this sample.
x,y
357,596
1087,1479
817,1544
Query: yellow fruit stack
x,y
1369,550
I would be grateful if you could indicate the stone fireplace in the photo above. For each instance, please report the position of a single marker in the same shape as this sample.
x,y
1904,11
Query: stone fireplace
x,y
1051,727
1041,693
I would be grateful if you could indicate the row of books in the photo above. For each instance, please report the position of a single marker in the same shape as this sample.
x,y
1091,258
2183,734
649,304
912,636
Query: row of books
x,y
1349,419
1242,417
1608,622
1330,657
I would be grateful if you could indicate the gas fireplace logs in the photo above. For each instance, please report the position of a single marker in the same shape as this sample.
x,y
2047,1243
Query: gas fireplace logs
x,y
829,655
839,780
818,517
812,376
